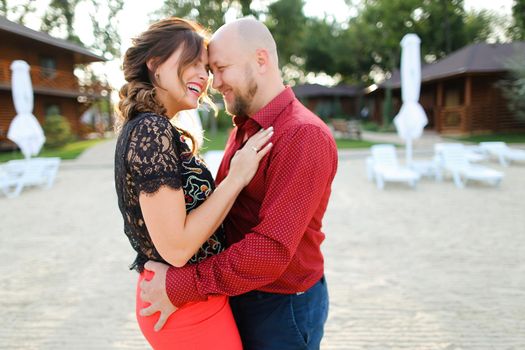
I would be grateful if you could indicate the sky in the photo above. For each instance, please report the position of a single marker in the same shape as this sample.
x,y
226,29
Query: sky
x,y
133,19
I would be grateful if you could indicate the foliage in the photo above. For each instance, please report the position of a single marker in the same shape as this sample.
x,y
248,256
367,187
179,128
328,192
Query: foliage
x,y
318,49
107,40
18,12
513,89
517,30
224,120
57,130
360,50
215,142
286,20
209,13
368,45
60,17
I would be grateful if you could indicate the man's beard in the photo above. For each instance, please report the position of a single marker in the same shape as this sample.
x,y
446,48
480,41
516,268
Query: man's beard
x,y
242,102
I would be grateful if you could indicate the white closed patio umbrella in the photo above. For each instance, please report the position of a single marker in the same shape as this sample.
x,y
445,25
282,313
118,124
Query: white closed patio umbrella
x,y
24,129
411,118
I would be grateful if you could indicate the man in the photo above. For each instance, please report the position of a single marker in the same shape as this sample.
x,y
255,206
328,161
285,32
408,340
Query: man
x,y
273,268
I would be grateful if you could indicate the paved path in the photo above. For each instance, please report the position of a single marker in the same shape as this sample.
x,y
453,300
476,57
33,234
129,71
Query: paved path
x,y
435,268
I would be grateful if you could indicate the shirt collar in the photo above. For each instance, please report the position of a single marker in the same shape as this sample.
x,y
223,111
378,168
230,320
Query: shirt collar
x,y
266,116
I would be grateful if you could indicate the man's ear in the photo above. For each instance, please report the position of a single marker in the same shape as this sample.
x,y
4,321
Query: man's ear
x,y
263,59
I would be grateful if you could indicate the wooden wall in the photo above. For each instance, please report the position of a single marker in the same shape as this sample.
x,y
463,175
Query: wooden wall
x,y
489,111
483,111
349,105
19,48
69,108
13,47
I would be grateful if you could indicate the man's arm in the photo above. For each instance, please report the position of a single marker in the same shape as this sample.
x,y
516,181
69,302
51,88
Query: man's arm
x,y
298,174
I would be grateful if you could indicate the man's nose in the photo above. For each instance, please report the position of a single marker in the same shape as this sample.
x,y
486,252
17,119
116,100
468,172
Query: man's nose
x,y
216,81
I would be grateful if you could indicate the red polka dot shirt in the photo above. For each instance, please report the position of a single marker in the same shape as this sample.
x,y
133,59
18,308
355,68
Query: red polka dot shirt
x,y
274,228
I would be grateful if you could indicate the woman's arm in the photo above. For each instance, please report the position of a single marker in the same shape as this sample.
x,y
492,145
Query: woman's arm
x,y
178,236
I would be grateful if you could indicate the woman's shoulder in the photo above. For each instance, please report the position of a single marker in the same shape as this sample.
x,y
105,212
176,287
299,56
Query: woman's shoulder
x,y
152,123
148,118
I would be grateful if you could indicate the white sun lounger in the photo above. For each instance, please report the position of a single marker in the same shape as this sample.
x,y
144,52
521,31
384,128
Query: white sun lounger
x,y
453,160
383,167
32,172
504,153
10,184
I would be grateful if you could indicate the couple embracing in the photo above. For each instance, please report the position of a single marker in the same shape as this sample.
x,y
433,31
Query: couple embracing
x,y
233,263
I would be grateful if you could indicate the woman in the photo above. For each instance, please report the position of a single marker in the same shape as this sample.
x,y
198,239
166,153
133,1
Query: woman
x,y
172,211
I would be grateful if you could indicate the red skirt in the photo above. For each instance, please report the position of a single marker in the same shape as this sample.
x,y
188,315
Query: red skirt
x,y
195,326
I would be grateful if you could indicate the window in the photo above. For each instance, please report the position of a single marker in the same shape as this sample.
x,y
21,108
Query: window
x,y
454,93
49,66
52,109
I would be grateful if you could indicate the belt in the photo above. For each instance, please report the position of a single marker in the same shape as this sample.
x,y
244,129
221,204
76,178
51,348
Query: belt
x,y
259,293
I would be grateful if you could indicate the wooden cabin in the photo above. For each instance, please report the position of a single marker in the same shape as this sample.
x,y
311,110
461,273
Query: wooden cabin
x,y
459,92
52,61
337,101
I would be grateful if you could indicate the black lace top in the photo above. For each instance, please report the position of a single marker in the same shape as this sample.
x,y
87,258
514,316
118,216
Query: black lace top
x,y
151,153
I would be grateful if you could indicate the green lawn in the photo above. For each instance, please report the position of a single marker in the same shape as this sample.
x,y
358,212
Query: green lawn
x,y
348,144
215,142
69,151
509,138
218,141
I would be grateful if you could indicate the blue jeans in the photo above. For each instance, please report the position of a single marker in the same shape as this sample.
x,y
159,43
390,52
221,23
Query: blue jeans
x,y
269,321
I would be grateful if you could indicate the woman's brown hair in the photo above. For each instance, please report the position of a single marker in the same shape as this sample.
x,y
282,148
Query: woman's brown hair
x,y
157,43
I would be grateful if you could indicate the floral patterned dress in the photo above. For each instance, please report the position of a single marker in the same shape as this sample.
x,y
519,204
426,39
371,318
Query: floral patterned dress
x,y
151,153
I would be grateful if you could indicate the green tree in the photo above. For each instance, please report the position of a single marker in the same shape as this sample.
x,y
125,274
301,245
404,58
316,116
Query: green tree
x,y
517,30
286,21
246,8
17,13
513,89
209,13
3,8
368,45
478,25
60,16
318,48
107,40
59,20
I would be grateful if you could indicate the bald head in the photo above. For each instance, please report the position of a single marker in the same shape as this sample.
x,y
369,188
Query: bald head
x,y
248,35
243,58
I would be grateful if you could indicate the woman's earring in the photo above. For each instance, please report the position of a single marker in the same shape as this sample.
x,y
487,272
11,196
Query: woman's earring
x,y
157,76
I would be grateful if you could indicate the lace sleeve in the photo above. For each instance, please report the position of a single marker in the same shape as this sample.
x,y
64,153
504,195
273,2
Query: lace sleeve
x,y
152,156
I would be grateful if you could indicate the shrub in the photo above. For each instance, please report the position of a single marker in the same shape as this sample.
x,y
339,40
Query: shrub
x,y
513,88
57,131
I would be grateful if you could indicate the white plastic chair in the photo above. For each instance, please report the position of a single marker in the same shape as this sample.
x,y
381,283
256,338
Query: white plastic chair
x,y
453,159
504,153
383,167
32,172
